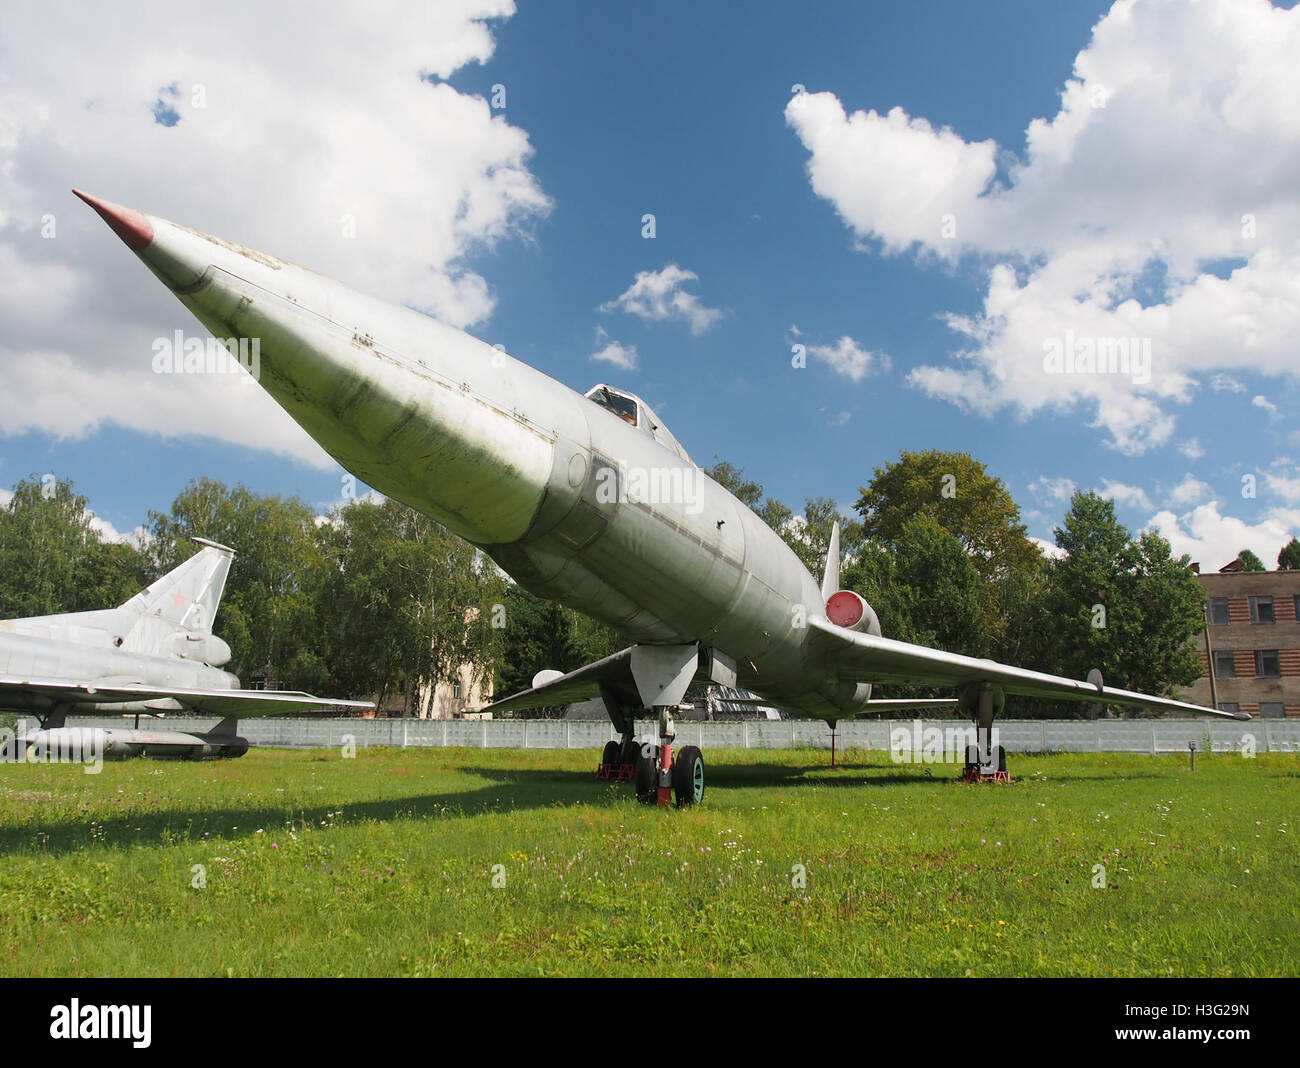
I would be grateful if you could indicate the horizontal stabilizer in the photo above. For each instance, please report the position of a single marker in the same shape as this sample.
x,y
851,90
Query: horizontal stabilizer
x,y
614,672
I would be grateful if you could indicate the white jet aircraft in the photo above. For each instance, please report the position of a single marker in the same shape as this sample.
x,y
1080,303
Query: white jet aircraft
x,y
586,500
152,655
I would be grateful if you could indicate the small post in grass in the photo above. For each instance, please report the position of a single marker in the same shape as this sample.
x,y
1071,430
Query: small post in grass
x,y
1191,746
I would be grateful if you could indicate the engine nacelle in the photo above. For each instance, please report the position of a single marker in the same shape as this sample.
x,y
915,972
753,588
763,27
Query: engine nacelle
x,y
846,609
205,648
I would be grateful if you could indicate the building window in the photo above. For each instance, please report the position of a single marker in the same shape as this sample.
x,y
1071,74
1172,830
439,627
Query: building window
x,y
1224,666
455,690
1229,706
1296,606
1261,610
1268,665
1219,610
1272,709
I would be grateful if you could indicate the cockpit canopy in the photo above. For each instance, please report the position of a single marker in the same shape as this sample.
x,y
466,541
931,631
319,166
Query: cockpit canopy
x,y
635,412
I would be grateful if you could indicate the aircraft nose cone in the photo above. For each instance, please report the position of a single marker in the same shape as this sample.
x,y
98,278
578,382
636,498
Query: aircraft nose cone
x,y
132,226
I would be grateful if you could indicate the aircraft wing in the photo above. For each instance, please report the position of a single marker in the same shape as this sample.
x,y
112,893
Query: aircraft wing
x,y
582,684
868,658
875,704
37,693
907,704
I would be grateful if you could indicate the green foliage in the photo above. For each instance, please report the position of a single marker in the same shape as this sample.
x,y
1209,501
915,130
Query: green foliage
x,y
732,479
1119,604
1289,558
924,589
51,558
808,536
938,588
541,635
953,490
268,614
405,600
1250,562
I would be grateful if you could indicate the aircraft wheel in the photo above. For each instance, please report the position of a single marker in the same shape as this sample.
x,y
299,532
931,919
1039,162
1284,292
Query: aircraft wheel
x,y
688,776
647,778
610,755
630,752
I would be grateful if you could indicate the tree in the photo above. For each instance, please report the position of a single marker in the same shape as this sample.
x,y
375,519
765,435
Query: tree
x,y
732,479
808,535
1124,606
954,490
1250,562
938,588
51,558
268,613
1289,558
406,601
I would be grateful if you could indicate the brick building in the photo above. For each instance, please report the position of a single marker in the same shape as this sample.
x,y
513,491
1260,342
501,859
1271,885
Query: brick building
x,y
1254,639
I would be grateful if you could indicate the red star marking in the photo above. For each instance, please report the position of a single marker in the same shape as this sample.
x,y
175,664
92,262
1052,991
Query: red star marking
x,y
178,600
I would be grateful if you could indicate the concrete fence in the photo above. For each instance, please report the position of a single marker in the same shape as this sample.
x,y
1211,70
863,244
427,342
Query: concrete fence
x,y
1017,735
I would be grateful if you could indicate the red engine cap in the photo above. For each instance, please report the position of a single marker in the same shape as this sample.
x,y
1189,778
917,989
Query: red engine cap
x,y
844,609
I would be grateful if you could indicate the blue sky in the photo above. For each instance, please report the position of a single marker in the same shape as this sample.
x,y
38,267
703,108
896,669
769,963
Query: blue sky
x,y
801,226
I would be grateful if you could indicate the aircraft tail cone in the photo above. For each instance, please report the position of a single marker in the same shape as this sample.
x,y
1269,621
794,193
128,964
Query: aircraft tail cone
x,y
133,227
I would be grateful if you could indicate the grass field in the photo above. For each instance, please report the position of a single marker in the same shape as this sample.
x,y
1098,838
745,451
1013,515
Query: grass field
x,y
385,865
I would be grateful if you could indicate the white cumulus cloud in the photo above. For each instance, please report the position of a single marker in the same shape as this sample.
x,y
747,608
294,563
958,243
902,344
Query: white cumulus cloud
x,y
624,357
1189,491
658,296
1214,539
1123,494
328,139
846,357
1157,209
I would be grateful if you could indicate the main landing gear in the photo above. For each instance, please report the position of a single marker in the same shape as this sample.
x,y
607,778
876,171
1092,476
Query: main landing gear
x,y
985,760
657,776
661,675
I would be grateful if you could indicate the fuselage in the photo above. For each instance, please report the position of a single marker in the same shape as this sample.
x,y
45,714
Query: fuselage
x,y
52,658
571,500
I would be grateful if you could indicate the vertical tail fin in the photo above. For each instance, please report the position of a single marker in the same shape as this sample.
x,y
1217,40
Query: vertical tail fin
x,y
831,578
228,726
185,600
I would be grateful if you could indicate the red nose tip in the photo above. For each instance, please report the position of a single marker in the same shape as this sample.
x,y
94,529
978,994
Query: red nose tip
x,y
132,226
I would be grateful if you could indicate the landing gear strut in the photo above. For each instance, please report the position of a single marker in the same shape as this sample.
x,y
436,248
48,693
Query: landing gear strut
x,y
986,762
658,776
661,675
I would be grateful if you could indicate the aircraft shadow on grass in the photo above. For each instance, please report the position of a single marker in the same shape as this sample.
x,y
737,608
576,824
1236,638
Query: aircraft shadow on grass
x,y
511,789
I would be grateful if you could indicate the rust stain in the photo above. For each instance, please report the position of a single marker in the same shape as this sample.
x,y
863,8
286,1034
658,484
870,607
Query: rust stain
x,y
221,242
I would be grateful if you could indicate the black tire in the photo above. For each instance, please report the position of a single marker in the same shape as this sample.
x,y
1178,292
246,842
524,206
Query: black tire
x,y
647,778
1001,755
629,752
610,755
688,776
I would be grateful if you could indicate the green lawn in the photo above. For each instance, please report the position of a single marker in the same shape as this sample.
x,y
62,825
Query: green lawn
x,y
385,865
